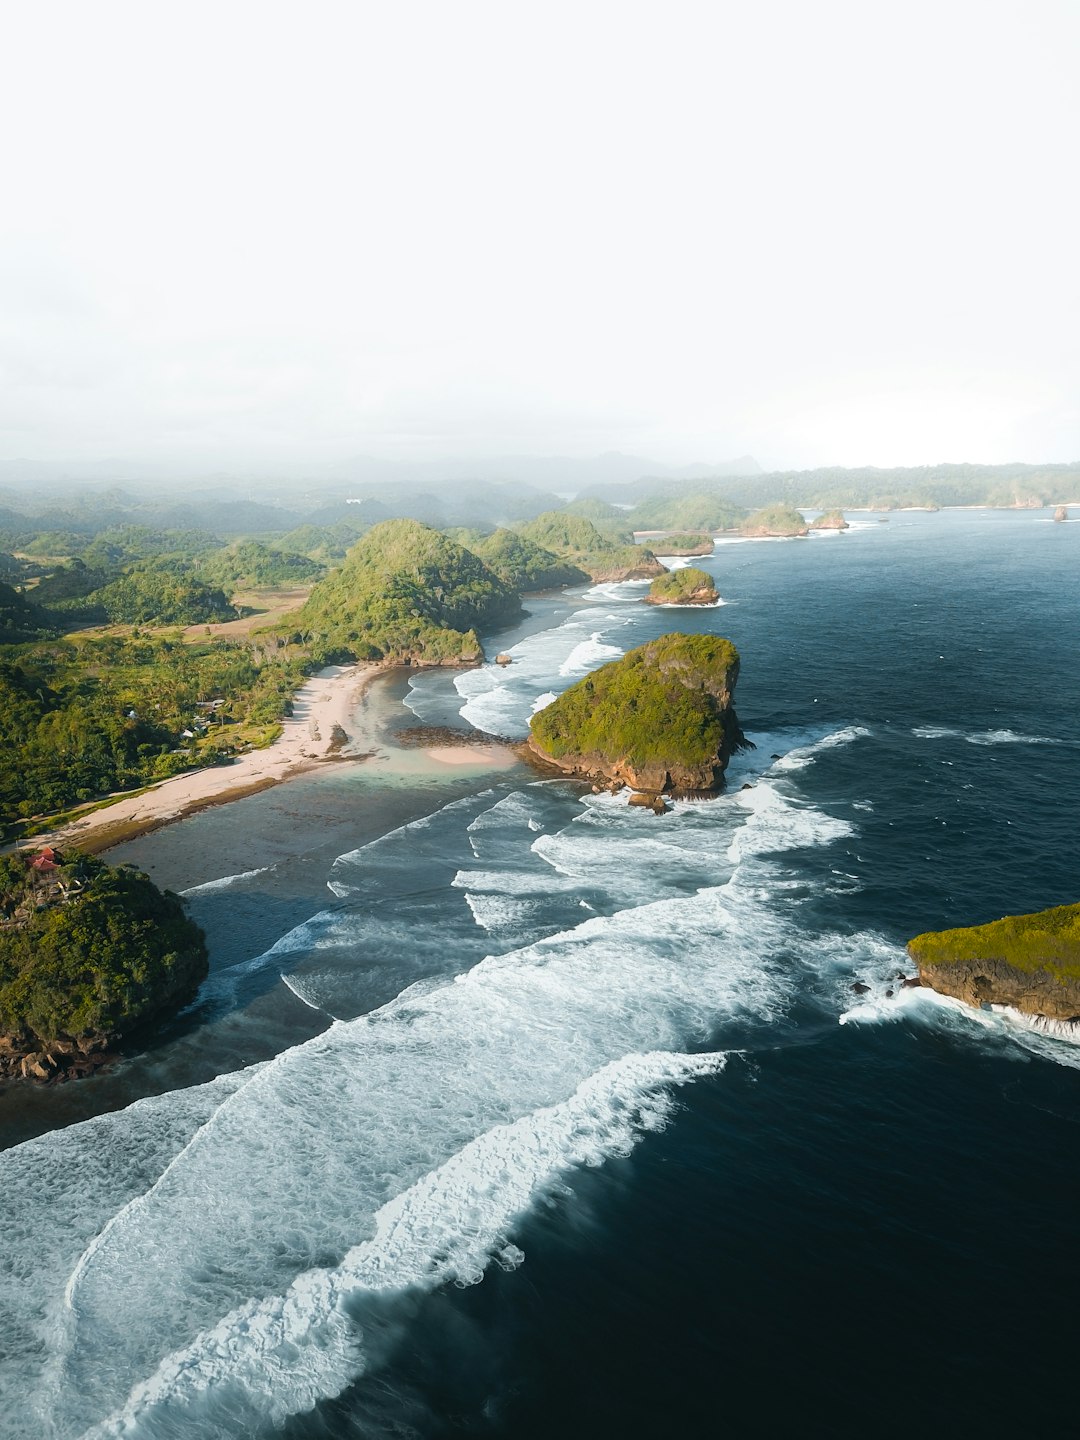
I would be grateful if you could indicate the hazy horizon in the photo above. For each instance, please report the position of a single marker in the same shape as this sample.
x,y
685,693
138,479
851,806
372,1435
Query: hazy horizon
x,y
242,240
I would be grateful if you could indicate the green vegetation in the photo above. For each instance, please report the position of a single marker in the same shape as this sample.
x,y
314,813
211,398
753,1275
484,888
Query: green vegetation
x,y
662,704
90,950
831,520
779,519
1046,940
690,543
325,544
688,586
519,562
250,565
408,594
160,596
695,511
577,540
82,717
19,619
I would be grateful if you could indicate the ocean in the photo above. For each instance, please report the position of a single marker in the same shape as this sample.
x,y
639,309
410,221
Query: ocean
x,y
508,1111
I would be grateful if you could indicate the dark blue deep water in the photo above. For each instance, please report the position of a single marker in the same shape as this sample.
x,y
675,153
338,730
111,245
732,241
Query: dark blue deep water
x,y
576,1126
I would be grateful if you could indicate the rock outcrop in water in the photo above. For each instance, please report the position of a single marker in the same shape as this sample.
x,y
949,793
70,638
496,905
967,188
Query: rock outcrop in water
x,y
1061,513
779,520
688,586
87,953
1031,962
831,520
660,719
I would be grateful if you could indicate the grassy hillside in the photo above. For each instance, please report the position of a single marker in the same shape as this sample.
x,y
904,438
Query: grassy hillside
x,y
1046,940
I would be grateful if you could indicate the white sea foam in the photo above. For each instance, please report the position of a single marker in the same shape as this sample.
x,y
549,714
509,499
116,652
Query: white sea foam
x,y
1005,1031
225,881
801,756
270,1359
289,1174
777,823
587,655
676,605
617,591
982,737
502,699
90,1172
1008,737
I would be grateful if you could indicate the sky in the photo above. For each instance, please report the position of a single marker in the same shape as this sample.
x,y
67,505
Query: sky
x,y
839,232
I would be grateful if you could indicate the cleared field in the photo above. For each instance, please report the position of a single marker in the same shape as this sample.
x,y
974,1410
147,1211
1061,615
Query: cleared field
x,y
267,607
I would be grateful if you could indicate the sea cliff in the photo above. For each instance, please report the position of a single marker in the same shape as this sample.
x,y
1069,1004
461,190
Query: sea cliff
x,y
1030,962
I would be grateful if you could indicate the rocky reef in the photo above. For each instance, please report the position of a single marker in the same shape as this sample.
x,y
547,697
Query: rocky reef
x,y
1061,513
688,586
1030,962
831,520
661,719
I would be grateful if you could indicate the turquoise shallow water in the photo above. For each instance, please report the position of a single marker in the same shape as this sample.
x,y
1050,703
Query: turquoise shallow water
x,y
564,1133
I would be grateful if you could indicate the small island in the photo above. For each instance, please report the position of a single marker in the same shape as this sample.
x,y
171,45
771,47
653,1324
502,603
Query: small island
x,y
689,586
831,520
661,719
1030,962
682,546
88,952
777,521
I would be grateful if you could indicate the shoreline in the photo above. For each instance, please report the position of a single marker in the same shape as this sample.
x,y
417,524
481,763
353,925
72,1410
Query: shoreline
x,y
323,709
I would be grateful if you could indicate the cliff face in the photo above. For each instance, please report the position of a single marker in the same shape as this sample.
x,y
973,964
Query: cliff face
x,y
1031,962
660,719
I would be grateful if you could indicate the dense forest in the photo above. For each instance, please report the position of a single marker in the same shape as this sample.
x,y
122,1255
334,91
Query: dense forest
x,y
405,593
89,951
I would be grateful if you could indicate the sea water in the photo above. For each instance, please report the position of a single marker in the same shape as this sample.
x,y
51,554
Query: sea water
x,y
510,1111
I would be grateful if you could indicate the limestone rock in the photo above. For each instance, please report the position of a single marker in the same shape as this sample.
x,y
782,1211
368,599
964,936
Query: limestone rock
x,y
1030,962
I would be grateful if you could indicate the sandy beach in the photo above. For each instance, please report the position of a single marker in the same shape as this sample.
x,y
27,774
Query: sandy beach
x,y
324,710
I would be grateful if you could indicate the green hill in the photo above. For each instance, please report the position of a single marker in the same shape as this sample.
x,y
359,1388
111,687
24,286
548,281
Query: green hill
x,y
519,562
577,540
696,511
780,519
409,594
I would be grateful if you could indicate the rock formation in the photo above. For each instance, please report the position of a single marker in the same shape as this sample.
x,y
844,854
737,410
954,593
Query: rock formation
x,y
1031,962
88,953
1061,513
775,520
660,719
688,586
831,520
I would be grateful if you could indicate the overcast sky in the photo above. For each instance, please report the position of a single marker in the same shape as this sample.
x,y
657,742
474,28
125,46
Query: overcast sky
x,y
817,231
